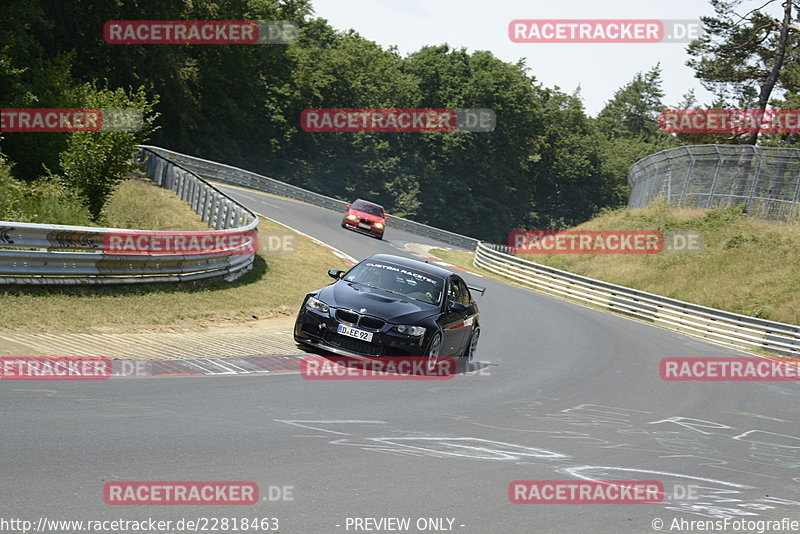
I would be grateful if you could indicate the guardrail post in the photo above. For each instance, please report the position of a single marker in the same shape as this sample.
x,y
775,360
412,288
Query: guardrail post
x,y
184,184
196,195
205,216
212,210
220,221
187,184
166,177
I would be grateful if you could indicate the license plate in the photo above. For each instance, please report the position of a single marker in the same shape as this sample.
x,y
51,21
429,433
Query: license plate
x,y
362,225
354,332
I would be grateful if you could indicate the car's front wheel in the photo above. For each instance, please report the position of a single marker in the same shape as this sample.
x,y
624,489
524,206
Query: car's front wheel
x,y
432,356
472,348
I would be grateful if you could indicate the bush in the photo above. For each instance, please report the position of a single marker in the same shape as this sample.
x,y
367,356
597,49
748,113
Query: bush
x,y
95,162
41,201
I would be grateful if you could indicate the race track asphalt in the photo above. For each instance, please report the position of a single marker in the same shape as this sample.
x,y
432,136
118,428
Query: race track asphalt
x,y
560,392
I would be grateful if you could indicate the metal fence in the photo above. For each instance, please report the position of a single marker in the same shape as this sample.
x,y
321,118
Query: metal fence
x,y
57,254
714,325
227,174
765,180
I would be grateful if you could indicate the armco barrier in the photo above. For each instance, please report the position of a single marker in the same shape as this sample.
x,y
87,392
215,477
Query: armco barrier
x,y
715,325
55,254
227,174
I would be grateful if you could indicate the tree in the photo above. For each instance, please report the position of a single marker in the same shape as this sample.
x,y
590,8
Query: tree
x,y
634,110
95,162
742,58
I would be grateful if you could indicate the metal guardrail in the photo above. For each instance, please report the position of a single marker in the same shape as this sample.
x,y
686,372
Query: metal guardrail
x,y
764,179
715,325
57,254
51,254
227,174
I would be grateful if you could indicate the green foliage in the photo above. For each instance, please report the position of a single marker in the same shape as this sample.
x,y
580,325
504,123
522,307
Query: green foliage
x,y
40,201
743,57
95,162
633,112
547,164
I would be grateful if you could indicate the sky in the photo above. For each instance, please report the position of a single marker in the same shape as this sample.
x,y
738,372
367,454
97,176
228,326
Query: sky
x,y
599,69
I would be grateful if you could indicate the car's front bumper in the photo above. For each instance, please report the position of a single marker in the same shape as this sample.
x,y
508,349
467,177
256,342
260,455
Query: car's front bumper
x,y
372,230
315,329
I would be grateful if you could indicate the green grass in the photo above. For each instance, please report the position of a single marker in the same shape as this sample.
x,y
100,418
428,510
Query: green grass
x,y
273,288
42,201
748,266
140,204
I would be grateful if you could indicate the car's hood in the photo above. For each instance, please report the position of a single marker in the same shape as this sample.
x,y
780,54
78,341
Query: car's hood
x,y
367,216
388,306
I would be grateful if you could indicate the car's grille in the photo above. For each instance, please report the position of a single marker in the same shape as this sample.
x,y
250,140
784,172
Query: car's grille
x,y
372,323
364,321
347,316
366,221
351,344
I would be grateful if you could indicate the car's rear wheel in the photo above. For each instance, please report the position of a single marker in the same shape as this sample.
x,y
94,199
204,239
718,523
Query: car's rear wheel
x,y
434,348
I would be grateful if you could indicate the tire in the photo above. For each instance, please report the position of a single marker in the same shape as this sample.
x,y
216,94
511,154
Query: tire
x,y
471,349
379,236
432,354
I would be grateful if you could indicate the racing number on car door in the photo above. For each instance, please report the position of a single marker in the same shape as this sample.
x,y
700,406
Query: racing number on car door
x,y
456,329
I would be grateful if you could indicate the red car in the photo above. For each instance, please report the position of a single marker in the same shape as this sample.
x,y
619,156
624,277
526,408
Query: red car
x,y
365,217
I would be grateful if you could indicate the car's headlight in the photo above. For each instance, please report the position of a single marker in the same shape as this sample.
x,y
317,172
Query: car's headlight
x,y
410,330
317,305
352,217
378,225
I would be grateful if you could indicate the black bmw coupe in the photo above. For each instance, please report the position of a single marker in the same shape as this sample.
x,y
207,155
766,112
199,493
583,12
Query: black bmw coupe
x,y
392,306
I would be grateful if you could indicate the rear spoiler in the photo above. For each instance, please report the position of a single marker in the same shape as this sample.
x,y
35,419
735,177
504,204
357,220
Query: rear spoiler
x,y
479,289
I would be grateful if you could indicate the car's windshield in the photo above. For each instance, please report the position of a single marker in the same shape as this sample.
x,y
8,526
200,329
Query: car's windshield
x,y
368,208
398,279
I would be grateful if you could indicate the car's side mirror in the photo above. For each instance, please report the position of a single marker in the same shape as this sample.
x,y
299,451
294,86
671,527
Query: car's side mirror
x,y
335,273
457,307
385,217
347,206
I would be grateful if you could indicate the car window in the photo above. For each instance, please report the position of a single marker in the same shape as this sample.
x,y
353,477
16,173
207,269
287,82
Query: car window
x,y
368,208
457,292
411,283
464,292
